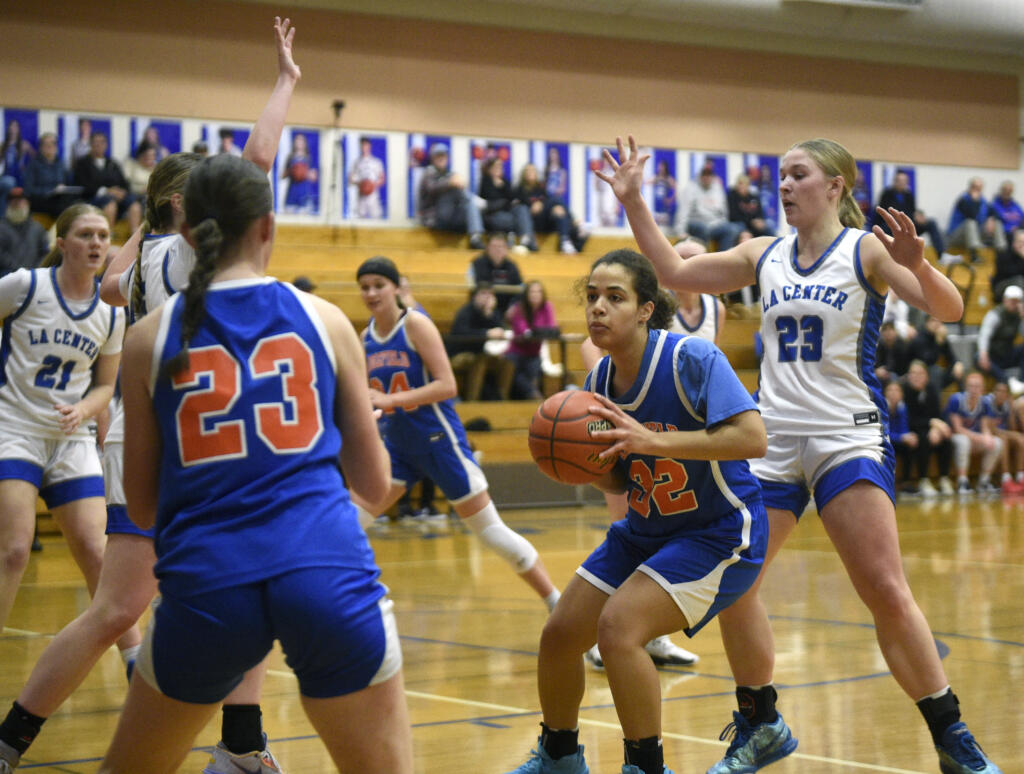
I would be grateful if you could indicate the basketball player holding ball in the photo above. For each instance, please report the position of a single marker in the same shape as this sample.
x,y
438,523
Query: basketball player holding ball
x,y
695,532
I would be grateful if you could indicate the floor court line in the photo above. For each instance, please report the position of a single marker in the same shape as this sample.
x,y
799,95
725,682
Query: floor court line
x,y
521,711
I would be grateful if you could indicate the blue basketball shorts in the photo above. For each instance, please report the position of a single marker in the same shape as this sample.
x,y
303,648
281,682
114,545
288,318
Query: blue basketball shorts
x,y
704,569
446,460
797,465
62,469
338,634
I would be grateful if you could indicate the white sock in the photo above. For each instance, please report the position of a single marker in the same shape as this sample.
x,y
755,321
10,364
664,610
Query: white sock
x,y
130,654
552,599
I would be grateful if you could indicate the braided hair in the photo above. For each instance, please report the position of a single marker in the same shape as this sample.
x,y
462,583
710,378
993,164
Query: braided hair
x,y
223,196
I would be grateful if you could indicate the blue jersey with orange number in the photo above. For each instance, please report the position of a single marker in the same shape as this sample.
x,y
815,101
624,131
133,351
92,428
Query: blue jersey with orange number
x,y
250,484
684,383
394,365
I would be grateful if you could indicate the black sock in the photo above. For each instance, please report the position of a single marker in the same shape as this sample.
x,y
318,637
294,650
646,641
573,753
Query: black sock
x,y
241,728
20,728
940,713
757,705
557,743
646,754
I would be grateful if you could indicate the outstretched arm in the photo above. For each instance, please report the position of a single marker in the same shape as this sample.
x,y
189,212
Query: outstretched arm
x,y
711,273
266,134
898,261
110,288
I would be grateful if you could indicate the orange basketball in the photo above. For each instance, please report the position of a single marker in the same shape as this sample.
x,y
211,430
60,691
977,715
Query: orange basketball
x,y
366,187
561,442
300,171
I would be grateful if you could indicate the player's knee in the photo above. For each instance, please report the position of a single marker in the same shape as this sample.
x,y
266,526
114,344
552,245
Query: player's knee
x,y
616,631
562,633
510,546
496,535
14,554
113,620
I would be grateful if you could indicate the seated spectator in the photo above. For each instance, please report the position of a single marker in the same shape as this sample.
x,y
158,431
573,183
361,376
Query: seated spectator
x,y
502,211
900,197
704,212
974,222
898,312
931,346
151,137
48,181
1007,209
138,169
201,147
892,354
1007,425
968,415
997,339
745,209
532,320
548,213
494,267
23,242
931,434
443,202
1009,266
227,142
105,186
476,324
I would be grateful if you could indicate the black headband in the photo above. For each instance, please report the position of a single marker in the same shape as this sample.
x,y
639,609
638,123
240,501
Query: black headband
x,y
385,267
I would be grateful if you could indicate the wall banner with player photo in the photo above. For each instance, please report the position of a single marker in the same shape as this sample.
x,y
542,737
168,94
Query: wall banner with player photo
x,y
365,162
420,147
552,162
661,182
297,171
162,134
763,172
863,191
602,208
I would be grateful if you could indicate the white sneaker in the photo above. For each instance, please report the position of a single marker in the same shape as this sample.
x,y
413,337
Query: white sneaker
x,y
946,487
927,488
1016,386
9,758
948,259
223,761
567,247
664,652
593,657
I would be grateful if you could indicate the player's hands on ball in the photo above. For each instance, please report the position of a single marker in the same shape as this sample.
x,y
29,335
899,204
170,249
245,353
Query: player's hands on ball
x,y
70,417
628,435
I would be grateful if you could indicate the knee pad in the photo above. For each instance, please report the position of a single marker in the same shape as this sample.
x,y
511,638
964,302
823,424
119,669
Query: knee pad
x,y
496,535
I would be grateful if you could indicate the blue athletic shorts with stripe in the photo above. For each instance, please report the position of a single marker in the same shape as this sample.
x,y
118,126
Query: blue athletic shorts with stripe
x,y
118,522
337,631
62,469
704,570
448,462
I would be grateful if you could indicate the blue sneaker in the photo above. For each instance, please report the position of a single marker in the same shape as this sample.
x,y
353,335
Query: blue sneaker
x,y
961,754
753,747
542,763
629,768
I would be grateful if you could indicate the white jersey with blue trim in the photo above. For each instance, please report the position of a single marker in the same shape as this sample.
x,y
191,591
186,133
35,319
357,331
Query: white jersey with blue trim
x,y
47,350
707,328
820,328
167,260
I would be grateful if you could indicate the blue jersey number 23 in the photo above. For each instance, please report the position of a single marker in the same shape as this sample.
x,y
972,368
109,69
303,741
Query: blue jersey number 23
x,y
807,331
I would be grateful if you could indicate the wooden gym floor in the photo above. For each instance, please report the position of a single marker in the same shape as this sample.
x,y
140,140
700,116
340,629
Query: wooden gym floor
x,y
470,632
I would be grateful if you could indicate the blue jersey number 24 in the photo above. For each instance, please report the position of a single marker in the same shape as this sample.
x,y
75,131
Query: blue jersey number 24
x,y
799,339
